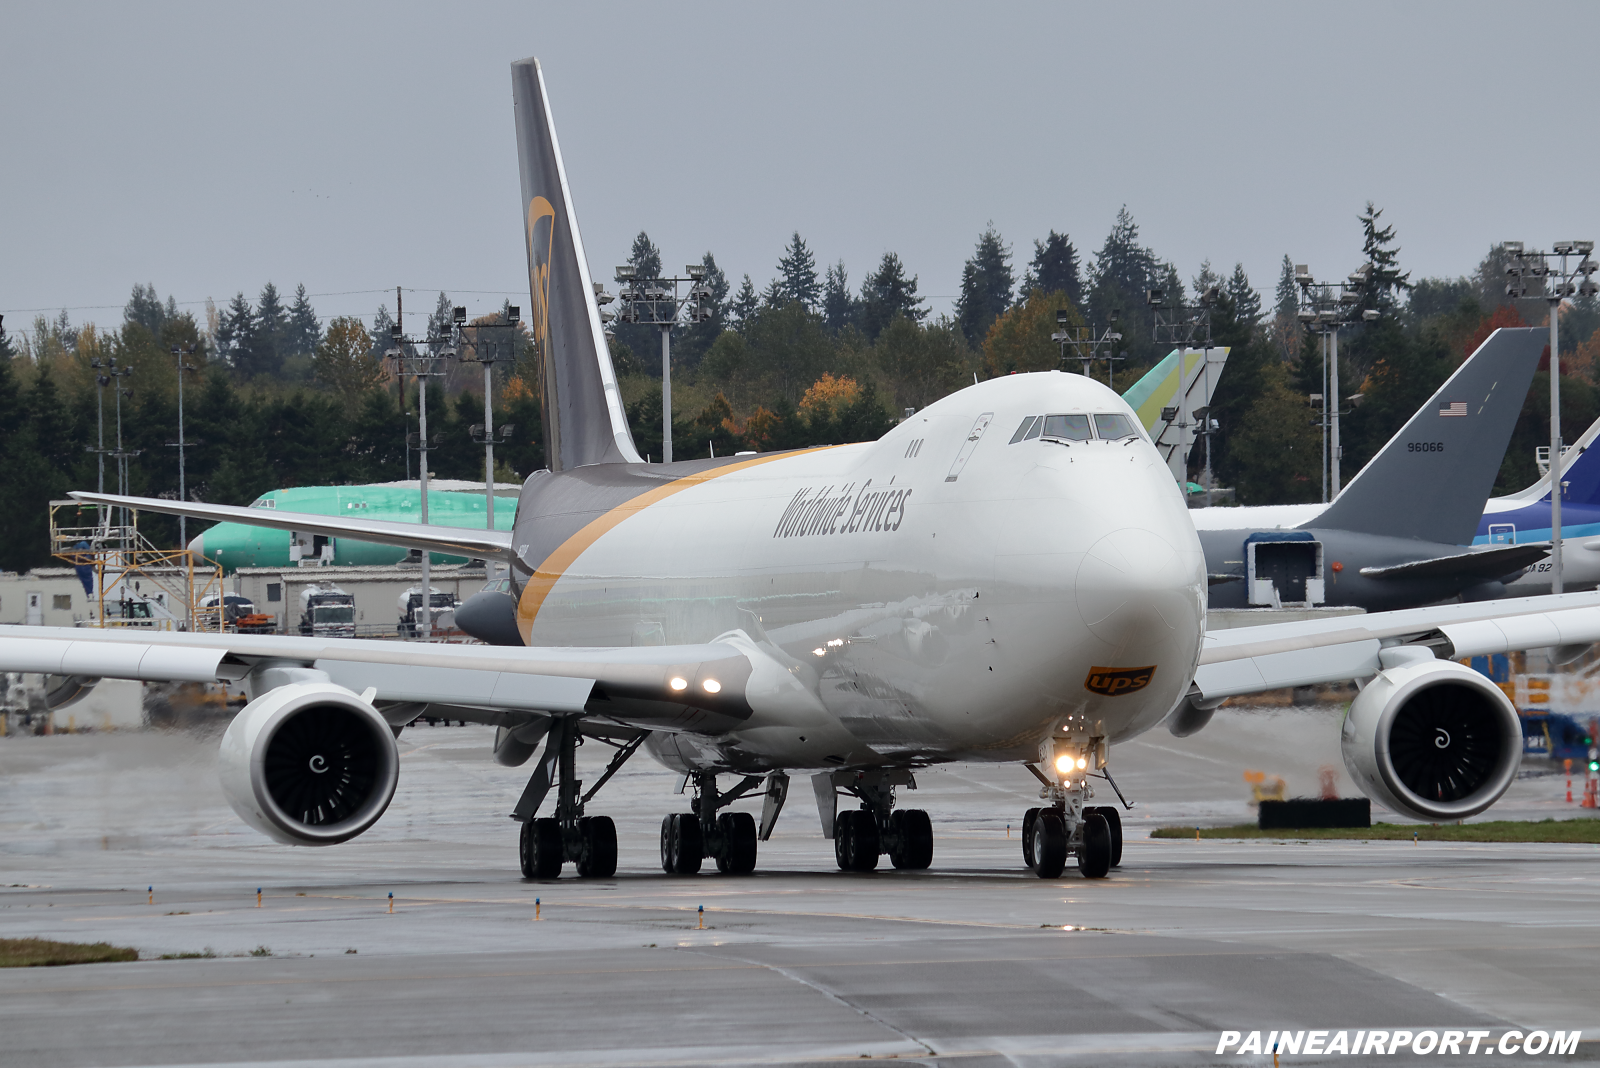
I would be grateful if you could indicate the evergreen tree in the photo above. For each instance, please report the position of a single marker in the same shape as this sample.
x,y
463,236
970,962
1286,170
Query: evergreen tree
x,y
887,293
743,306
986,282
1385,281
645,257
839,306
304,334
1124,272
798,272
7,349
345,364
700,335
1054,268
66,333
1206,278
382,332
1246,301
272,328
1288,294
774,295
145,308
440,320
236,334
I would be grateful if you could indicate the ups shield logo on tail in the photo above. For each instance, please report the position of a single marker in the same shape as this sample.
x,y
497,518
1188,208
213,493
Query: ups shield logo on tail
x,y
1113,682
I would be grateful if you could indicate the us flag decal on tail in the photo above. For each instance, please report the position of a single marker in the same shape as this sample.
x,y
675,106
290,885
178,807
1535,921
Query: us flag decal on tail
x,y
1454,408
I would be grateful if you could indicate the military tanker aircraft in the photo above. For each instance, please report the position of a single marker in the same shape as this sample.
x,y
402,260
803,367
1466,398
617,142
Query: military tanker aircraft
x,y
1010,575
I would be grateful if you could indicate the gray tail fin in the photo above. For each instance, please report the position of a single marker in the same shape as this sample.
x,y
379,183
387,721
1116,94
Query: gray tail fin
x,y
584,422
1431,479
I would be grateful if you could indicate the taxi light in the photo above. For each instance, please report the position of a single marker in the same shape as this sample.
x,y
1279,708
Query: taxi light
x,y
1082,763
1065,763
711,686
819,652
679,683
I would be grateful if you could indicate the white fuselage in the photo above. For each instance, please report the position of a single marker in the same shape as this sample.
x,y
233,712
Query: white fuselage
x,y
943,597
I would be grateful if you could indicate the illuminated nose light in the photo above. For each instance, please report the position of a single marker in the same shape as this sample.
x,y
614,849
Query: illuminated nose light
x,y
1065,763
711,686
819,652
678,683
1082,763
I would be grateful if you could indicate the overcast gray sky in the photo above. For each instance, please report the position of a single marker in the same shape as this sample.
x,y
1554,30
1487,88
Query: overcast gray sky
x,y
210,148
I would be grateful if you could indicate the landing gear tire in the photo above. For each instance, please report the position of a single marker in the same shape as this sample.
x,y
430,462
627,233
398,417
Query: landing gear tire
x,y
1049,845
1028,819
681,848
1113,821
738,856
855,840
541,850
1094,856
598,849
913,835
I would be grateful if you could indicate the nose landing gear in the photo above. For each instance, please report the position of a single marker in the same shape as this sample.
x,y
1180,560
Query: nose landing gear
x,y
1068,827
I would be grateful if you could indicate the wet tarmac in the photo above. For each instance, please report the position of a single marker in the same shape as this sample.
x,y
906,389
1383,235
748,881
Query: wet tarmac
x,y
975,962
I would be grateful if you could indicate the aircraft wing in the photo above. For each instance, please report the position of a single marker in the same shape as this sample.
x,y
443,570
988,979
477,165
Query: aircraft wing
x,y
1303,653
703,687
1487,563
455,541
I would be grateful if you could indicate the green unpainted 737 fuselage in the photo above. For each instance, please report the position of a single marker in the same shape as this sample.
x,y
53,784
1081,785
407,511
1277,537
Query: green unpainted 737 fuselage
x,y
236,545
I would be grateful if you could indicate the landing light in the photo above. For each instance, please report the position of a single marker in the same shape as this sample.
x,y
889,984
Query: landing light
x,y
1065,763
819,652
711,686
678,683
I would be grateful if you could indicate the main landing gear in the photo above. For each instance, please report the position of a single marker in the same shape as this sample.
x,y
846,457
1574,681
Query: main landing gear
x,y
589,842
729,838
862,835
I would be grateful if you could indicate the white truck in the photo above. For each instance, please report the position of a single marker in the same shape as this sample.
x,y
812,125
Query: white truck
x,y
441,611
326,611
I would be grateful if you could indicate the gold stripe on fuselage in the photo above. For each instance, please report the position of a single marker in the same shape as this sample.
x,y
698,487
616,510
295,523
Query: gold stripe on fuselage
x,y
545,576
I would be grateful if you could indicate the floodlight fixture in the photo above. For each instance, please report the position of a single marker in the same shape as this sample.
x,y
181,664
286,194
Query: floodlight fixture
x,y
513,315
625,271
1063,315
459,315
1588,288
1211,296
1302,275
1563,248
1156,297
695,271
1584,247
1371,315
1514,247
1308,317
1060,336
1116,314
394,331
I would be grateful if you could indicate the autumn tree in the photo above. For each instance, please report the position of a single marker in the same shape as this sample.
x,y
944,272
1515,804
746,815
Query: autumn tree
x,y
344,362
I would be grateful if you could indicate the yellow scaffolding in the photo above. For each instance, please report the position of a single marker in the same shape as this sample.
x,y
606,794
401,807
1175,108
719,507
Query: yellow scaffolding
x,y
124,562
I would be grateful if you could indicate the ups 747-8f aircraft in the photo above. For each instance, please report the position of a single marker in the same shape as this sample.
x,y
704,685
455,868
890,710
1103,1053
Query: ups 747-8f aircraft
x,y
1009,575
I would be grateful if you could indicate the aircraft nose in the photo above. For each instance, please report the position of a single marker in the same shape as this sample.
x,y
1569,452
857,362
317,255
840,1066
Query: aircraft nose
x,y
1134,587
197,545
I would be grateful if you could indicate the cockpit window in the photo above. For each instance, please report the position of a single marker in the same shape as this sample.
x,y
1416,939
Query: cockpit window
x,y
1036,429
1067,427
1027,422
1113,426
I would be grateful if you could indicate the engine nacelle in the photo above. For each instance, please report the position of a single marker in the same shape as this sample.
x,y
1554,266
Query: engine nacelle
x,y
1432,740
309,763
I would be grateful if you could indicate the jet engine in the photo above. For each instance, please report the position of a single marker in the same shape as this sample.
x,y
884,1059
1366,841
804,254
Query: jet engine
x,y
309,763
1432,740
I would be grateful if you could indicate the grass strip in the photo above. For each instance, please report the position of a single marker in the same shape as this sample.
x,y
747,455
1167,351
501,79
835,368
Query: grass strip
x,y
1550,830
43,953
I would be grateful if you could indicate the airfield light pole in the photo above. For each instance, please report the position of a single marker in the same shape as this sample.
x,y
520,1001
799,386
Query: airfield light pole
x,y
1086,344
183,495
483,433
101,381
646,300
122,455
1325,309
423,368
1555,282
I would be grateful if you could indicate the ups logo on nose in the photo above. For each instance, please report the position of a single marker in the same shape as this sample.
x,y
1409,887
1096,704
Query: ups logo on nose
x,y
1112,682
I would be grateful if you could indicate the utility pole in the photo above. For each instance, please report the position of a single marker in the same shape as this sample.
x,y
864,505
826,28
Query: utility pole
x,y
424,367
646,300
121,455
1554,283
183,493
484,433
101,381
